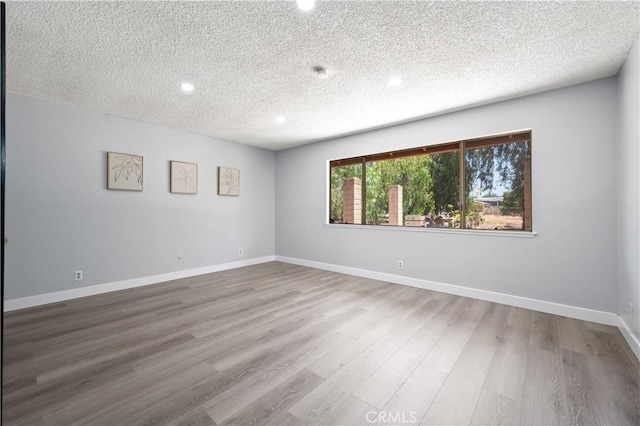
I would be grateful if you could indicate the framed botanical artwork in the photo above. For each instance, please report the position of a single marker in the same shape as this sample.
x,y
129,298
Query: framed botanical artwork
x,y
124,171
184,178
228,181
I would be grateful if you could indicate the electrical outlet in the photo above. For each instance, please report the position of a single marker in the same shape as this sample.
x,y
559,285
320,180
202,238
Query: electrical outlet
x,y
400,264
78,275
240,252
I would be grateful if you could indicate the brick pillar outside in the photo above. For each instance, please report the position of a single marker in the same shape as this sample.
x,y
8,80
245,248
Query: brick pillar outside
x,y
352,201
527,194
395,205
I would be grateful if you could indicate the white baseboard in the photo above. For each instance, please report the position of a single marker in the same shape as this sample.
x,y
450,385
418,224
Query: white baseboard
x,y
490,296
631,339
59,296
506,299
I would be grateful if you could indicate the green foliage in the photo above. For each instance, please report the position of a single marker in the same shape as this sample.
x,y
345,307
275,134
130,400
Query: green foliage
x,y
506,162
444,169
512,204
431,183
474,216
338,176
502,164
412,173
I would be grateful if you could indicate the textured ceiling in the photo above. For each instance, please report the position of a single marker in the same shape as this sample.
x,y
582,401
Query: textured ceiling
x,y
251,62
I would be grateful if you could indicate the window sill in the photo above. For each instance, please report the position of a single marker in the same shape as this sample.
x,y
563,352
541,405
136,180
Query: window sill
x,y
490,232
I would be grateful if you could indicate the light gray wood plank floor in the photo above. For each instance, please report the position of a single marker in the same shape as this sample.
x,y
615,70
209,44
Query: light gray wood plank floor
x,y
287,345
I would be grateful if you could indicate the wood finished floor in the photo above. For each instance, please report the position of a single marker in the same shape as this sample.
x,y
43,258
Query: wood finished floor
x,y
283,344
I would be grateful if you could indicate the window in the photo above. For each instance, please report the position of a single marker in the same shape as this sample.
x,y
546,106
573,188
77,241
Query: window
x,y
342,176
482,183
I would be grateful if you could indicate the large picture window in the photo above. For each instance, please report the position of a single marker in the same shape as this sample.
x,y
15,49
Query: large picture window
x,y
482,183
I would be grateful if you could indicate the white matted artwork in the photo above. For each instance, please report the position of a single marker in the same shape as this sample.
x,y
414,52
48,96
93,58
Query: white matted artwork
x,y
184,178
228,181
124,171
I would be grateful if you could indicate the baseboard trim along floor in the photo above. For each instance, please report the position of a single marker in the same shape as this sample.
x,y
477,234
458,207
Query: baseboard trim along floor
x,y
59,296
633,342
283,344
569,311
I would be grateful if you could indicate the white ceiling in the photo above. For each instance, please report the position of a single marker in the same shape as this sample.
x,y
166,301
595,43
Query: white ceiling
x,y
251,62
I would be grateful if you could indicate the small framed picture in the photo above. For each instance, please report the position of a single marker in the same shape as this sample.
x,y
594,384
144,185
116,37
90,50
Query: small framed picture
x,y
125,171
184,178
228,181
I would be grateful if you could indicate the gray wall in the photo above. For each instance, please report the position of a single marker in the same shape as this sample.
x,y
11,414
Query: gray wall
x,y
60,217
629,192
571,261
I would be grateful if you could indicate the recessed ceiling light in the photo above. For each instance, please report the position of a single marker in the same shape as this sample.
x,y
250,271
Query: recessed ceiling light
x,y
395,81
321,72
280,119
306,5
187,87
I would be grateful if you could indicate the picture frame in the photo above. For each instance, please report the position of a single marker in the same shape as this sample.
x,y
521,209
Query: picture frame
x,y
125,171
228,181
183,178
